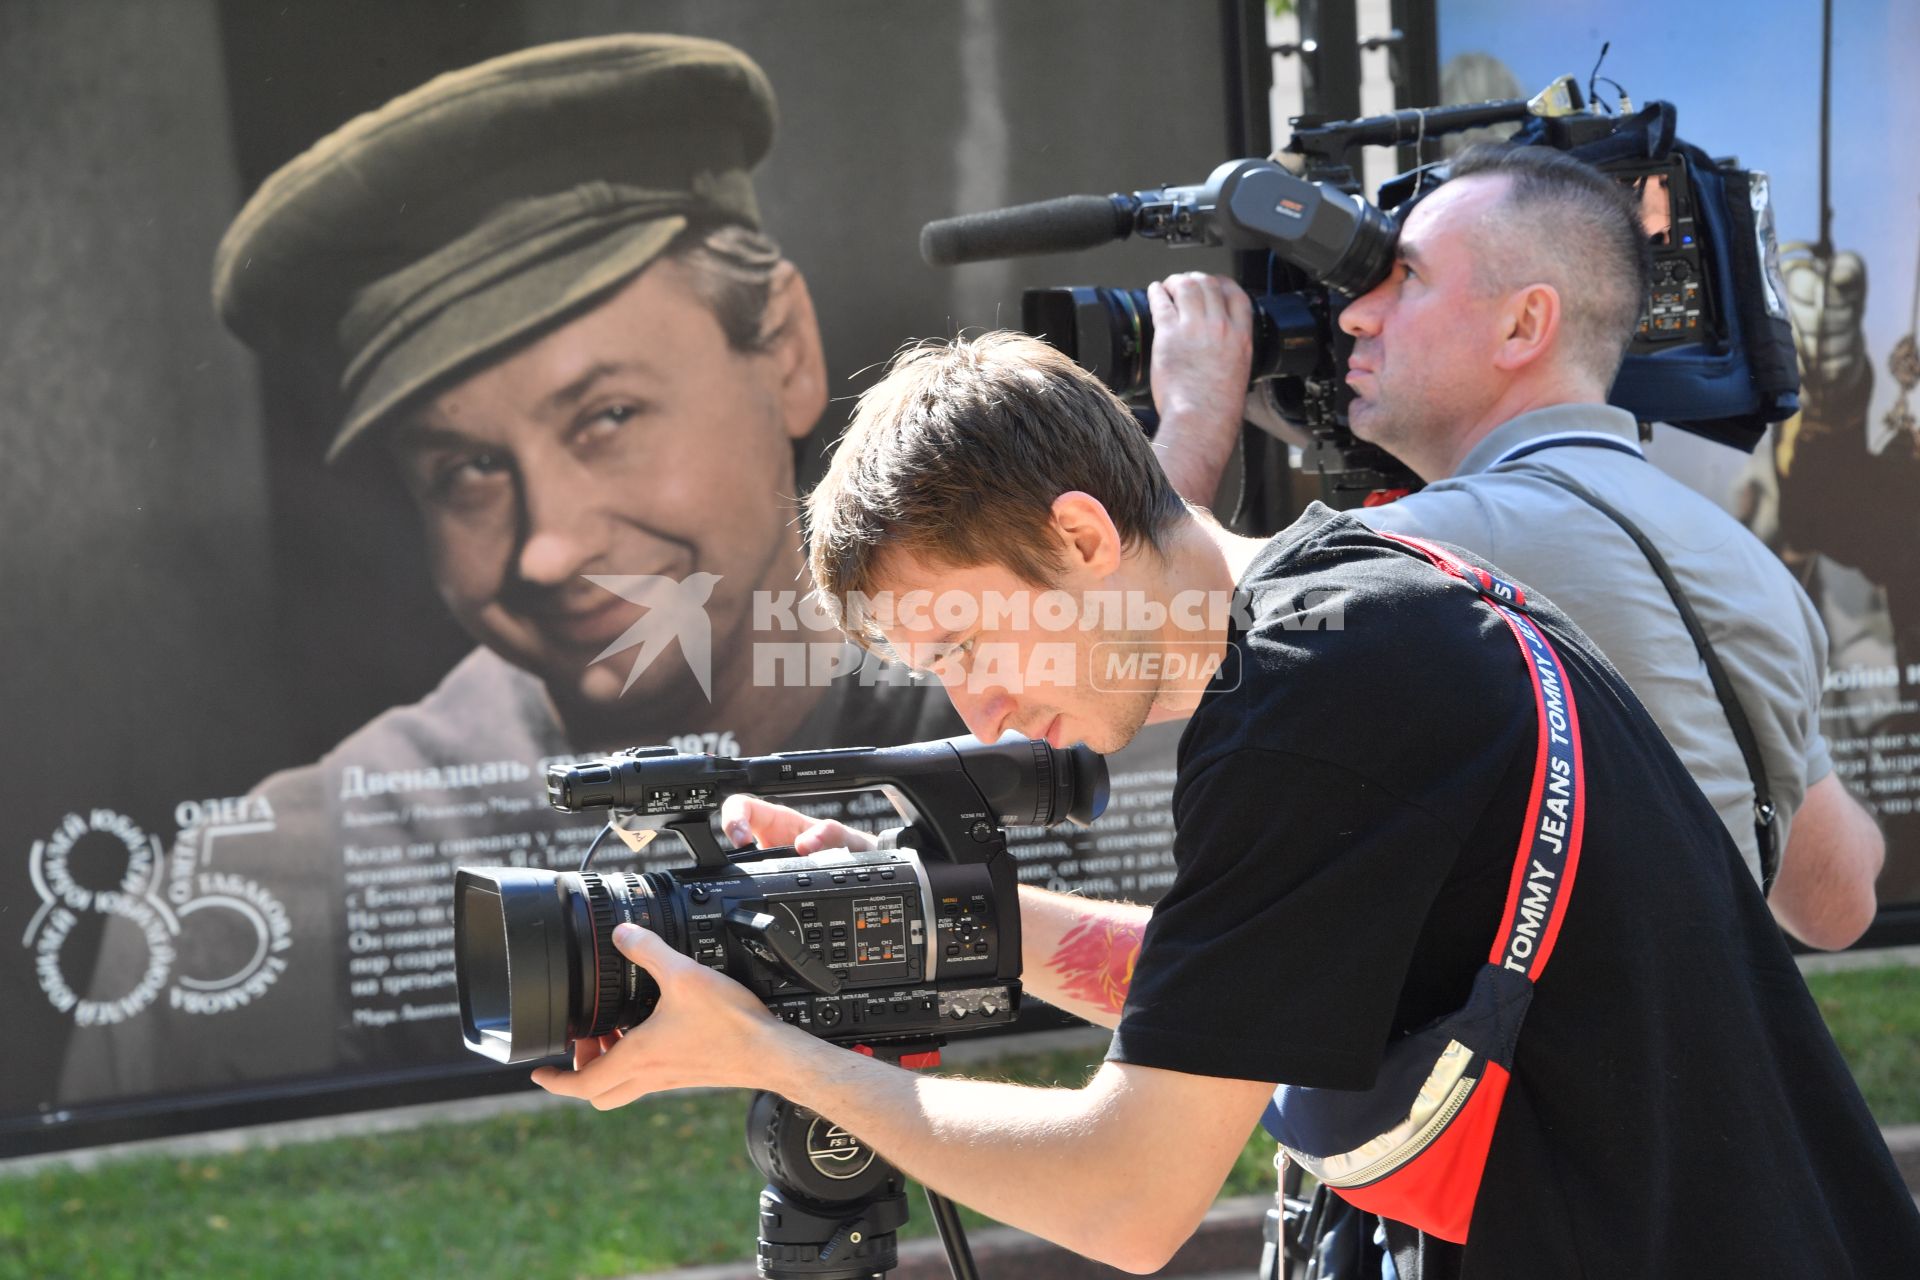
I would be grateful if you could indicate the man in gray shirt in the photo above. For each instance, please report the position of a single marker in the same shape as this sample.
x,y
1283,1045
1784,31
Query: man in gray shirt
x,y
1482,362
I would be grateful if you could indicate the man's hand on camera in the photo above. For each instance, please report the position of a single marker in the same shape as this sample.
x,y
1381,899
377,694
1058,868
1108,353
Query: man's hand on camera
x,y
707,1030
749,820
1034,1158
1202,351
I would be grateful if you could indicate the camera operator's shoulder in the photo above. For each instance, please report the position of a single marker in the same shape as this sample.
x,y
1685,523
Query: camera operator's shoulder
x,y
1334,589
1345,623
1447,511
1356,651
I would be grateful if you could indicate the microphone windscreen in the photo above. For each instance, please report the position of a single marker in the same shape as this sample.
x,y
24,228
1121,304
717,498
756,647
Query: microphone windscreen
x,y
1051,226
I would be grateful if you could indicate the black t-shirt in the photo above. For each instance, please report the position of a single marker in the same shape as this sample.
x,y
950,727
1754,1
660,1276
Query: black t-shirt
x,y
1349,803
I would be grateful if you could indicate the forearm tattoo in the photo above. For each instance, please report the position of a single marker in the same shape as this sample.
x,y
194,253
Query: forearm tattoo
x,y
1095,960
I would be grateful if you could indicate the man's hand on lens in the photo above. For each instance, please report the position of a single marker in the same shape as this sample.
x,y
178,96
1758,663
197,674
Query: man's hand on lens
x,y
748,820
707,1030
1202,352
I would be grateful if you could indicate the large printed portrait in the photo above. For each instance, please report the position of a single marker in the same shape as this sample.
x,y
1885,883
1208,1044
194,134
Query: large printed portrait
x,y
311,579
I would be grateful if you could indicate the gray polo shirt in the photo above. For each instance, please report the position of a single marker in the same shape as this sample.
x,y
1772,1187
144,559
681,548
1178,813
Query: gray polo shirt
x,y
1761,624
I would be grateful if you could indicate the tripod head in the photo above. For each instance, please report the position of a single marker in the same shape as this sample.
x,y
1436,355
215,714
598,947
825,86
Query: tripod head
x,y
832,1208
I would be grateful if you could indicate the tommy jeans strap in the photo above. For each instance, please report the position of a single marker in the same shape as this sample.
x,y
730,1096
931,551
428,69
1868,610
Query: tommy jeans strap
x,y
1555,824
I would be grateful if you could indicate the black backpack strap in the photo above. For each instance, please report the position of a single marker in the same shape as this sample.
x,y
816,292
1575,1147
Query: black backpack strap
x,y
1763,809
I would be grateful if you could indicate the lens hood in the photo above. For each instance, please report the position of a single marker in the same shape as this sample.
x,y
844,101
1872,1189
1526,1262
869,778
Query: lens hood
x,y
513,1003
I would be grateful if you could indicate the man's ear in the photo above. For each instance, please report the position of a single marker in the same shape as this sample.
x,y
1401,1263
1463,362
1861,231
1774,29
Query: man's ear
x,y
792,336
1529,327
1091,542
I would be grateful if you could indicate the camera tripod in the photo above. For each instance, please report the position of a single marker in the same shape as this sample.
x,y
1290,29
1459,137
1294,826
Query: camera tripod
x,y
832,1206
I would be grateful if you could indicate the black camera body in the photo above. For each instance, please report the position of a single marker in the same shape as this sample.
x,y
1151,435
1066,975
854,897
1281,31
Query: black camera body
x,y
915,940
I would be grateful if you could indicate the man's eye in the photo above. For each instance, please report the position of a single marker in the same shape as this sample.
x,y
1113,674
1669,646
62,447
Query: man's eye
x,y
462,475
956,655
608,422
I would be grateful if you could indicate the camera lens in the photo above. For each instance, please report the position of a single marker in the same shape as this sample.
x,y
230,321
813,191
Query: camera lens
x,y
534,958
1109,332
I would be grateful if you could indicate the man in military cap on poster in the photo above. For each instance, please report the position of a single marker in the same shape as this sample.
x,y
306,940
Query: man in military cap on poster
x,y
553,306
549,300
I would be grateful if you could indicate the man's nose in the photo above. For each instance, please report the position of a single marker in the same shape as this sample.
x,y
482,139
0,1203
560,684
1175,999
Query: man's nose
x,y
1361,317
985,712
562,533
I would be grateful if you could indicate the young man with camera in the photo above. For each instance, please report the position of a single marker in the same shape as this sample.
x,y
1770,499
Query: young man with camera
x,y
1364,748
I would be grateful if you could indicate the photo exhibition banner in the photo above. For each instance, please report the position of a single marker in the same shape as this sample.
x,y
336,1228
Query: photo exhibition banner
x,y
260,704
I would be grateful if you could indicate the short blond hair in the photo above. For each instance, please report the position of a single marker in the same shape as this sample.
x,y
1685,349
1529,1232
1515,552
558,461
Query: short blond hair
x,y
956,457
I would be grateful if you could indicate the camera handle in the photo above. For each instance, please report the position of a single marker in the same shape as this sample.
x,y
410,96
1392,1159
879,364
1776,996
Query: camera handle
x,y
832,1207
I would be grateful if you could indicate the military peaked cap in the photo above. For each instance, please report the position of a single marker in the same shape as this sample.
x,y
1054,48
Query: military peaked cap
x,y
430,235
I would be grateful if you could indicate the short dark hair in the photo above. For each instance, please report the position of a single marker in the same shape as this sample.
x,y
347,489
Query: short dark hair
x,y
732,270
1571,226
956,457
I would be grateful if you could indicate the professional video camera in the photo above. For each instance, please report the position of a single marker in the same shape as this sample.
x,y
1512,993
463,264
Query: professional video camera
x,y
892,948
910,941
1714,352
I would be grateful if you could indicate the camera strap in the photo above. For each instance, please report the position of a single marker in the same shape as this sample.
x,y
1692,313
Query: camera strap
x,y
1413,1147
1766,833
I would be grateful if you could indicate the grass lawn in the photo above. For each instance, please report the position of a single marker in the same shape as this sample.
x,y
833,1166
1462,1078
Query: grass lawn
x,y
569,1192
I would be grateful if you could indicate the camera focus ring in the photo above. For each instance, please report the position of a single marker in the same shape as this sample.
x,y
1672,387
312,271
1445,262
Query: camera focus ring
x,y
608,963
1043,797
